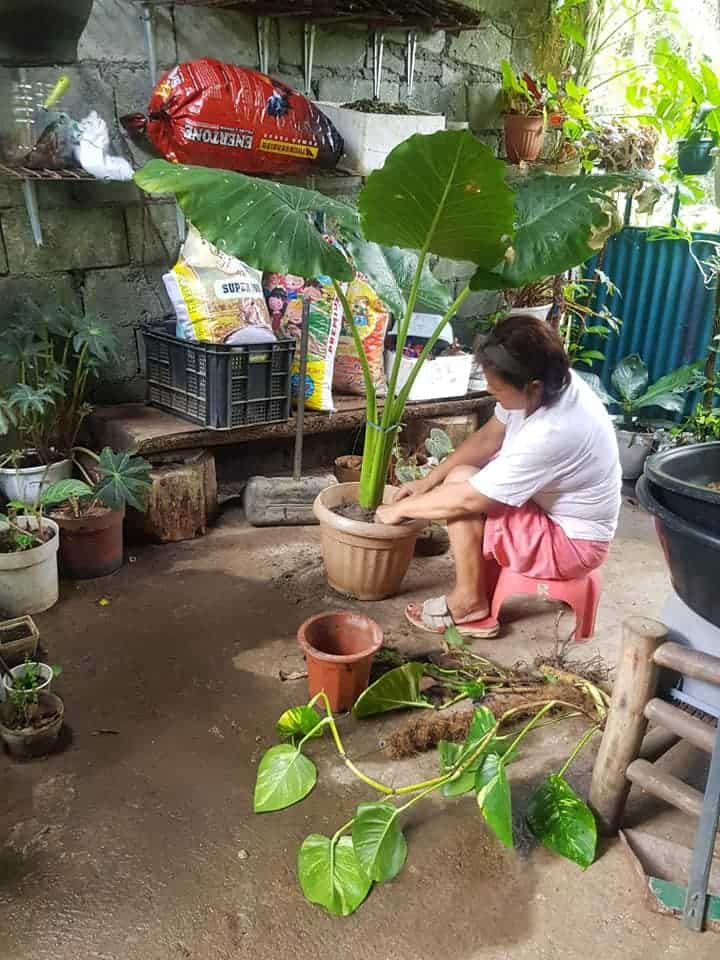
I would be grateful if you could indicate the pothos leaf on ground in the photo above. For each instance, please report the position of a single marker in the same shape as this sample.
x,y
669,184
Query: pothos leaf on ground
x,y
299,721
395,690
380,846
493,797
330,874
450,755
562,821
284,777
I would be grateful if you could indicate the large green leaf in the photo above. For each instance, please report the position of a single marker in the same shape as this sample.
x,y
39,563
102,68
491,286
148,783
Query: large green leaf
x,y
395,690
450,755
284,776
630,377
482,723
330,875
299,721
561,222
445,193
63,490
562,822
493,797
268,225
380,846
596,385
122,479
671,391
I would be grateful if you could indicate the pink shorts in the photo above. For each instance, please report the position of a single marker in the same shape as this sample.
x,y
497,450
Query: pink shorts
x,y
526,540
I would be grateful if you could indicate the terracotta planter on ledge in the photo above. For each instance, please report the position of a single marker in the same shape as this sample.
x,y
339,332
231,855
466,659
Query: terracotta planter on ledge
x,y
363,560
524,137
339,650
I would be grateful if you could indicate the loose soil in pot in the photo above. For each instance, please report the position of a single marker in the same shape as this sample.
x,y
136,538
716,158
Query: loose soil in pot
x,y
378,106
353,511
7,540
43,714
66,512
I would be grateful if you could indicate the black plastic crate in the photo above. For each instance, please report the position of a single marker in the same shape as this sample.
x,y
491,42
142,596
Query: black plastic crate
x,y
215,385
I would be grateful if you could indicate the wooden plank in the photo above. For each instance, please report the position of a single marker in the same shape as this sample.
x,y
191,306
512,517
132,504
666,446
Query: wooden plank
x,y
691,663
635,684
665,787
135,426
699,734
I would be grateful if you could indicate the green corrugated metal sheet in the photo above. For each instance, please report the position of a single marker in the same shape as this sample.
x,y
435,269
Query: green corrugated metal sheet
x,y
667,311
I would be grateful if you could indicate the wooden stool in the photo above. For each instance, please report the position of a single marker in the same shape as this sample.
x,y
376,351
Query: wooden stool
x,y
582,595
626,755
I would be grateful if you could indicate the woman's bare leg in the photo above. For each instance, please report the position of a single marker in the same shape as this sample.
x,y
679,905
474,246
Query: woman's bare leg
x,y
469,595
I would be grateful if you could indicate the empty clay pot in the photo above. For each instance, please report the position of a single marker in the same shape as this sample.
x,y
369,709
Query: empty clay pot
x,y
524,137
347,469
339,650
363,560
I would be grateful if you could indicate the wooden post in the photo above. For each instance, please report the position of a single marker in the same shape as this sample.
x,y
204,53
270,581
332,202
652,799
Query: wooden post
x,y
635,684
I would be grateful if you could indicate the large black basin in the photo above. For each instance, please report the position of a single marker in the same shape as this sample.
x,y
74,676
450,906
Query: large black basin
x,y
678,481
692,553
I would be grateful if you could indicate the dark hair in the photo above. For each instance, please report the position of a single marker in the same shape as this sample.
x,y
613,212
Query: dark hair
x,y
521,349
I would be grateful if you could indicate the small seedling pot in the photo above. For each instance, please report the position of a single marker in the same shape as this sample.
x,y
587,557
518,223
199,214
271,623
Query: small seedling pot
x,y
363,560
90,546
524,137
29,578
339,650
44,683
347,469
36,740
18,639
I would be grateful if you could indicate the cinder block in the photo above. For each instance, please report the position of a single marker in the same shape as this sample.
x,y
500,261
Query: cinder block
x,y
222,34
48,291
115,31
153,234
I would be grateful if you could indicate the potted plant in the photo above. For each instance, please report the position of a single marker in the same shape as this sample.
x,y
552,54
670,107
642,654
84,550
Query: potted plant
x,y
468,212
695,151
28,560
524,114
90,514
56,355
635,395
30,716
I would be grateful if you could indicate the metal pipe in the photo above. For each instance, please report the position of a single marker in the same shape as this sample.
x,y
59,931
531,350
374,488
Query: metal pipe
x,y
411,58
147,20
378,49
263,41
309,56
702,858
31,205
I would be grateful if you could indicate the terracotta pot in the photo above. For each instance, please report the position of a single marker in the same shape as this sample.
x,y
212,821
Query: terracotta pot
x,y
41,32
339,650
347,469
363,560
524,137
90,546
34,741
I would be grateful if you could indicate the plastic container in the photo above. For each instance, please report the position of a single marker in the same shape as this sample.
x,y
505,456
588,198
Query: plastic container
x,y
339,650
692,554
44,671
24,483
370,137
439,378
29,579
18,639
218,386
38,740
678,480
695,157
634,449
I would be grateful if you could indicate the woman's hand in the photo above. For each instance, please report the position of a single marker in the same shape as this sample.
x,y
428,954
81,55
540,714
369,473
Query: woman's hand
x,y
415,487
390,514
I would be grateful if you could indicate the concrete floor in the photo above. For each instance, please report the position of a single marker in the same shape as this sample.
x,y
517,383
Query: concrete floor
x,y
138,839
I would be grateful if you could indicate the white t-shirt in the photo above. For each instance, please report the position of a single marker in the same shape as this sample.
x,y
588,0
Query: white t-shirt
x,y
565,458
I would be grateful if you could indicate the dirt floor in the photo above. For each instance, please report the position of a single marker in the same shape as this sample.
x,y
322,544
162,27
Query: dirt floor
x,y
138,839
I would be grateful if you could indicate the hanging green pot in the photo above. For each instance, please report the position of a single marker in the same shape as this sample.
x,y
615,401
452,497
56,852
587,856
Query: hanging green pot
x,y
37,33
695,158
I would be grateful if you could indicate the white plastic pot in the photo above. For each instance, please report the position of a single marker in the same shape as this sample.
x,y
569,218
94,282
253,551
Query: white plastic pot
x,y
29,579
24,483
45,674
634,449
539,313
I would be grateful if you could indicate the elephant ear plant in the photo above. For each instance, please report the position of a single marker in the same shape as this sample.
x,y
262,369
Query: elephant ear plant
x,y
337,872
445,195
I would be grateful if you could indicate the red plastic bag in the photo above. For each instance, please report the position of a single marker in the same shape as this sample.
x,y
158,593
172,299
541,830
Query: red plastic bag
x,y
214,114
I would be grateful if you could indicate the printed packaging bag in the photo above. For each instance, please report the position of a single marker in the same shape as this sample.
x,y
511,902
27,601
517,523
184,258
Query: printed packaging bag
x,y
217,298
285,296
371,318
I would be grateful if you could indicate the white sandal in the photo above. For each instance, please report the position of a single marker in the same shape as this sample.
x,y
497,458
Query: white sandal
x,y
434,617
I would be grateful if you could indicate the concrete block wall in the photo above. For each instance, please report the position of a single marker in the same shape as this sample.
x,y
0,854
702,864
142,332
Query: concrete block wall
x,y
107,245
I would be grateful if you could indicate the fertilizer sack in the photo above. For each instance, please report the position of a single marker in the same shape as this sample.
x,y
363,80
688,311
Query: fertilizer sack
x,y
371,318
286,296
216,298
214,114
